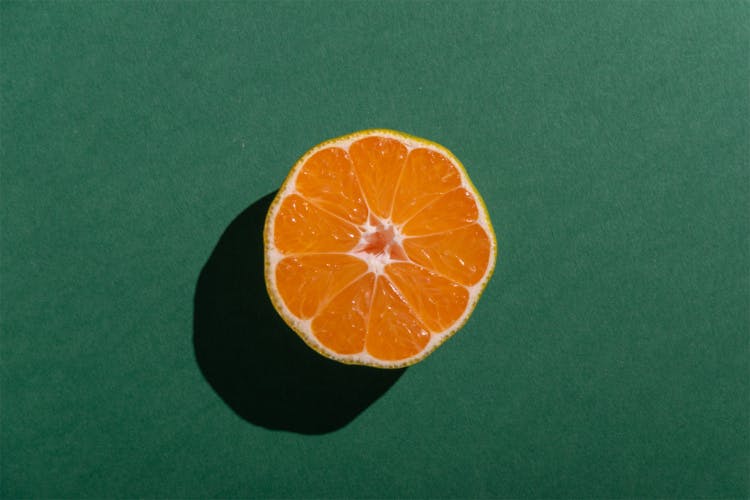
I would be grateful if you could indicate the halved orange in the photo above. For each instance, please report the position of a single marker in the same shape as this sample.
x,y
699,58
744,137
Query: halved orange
x,y
377,248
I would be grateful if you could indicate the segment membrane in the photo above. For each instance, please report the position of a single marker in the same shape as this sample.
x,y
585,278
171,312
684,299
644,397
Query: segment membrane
x,y
427,175
301,227
461,255
306,282
327,179
393,331
437,301
378,162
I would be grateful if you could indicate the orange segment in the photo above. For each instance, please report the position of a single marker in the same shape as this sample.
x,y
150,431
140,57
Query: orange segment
x,y
307,281
378,162
342,324
427,175
328,180
394,332
301,227
450,255
452,210
437,301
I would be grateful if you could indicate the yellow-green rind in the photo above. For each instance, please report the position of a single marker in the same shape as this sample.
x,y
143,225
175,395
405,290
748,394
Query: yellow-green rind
x,y
276,300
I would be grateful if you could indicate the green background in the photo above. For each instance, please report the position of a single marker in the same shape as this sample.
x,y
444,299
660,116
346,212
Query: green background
x,y
608,356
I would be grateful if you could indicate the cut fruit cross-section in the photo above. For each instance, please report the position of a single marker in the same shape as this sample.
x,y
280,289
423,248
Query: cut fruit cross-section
x,y
377,248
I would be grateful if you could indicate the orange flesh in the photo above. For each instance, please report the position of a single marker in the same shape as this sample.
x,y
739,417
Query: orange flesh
x,y
377,162
449,255
394,332
437,301
347,312
302,227
308,281
406,209
427,175
452,210
329,181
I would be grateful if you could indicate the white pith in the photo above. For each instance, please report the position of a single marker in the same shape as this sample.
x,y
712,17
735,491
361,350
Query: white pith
x,y
375,263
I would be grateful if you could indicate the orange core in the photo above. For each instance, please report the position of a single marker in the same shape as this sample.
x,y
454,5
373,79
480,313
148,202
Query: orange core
x,y
381,242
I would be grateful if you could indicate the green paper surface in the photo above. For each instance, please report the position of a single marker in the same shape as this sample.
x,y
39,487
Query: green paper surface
x,y
608,356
